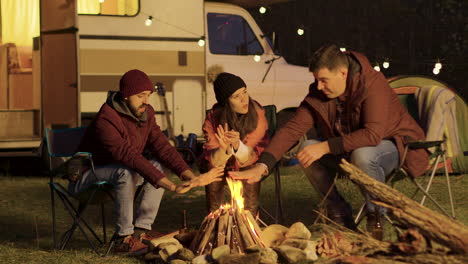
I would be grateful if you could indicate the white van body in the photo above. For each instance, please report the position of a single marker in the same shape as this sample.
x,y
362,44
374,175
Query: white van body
x,y
94,51
155,50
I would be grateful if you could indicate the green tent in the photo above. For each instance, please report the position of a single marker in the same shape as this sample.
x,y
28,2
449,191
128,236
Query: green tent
x,y
460,162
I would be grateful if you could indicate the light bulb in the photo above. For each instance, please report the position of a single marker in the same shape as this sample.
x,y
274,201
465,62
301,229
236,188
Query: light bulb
x,y
436,71
342,49
262,10
386,64
101,1
377,67
438,65
300,31
201,42
257,58
149,21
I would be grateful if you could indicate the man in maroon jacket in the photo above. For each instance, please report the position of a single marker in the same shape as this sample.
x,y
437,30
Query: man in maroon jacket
x,y
360,118
124,127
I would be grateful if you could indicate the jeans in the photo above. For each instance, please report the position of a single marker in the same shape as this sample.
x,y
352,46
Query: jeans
x,y
377,161
125,183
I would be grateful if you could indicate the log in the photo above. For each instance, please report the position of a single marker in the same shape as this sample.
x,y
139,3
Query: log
x,y
206,235
244,231
236,244
258,231
222,226
198,236
433,225
229,232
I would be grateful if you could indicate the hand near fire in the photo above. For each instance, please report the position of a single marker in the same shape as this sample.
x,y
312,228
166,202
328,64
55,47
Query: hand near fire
x,y
252,175
214,175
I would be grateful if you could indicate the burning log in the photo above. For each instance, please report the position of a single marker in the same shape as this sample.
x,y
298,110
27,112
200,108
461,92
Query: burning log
x,y
229,225
222,228
433,225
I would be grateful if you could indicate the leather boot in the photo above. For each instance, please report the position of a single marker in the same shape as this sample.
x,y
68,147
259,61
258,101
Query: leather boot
x,y
215,195
251,194
374,225
338,210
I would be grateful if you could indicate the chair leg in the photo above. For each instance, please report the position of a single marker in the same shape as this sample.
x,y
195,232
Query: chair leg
x,y
430,179
448,186
111,244
52,201
429,196
358,217
103,213
78,221
279,203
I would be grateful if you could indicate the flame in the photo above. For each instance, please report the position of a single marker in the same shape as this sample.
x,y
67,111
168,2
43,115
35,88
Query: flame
x,y
235,186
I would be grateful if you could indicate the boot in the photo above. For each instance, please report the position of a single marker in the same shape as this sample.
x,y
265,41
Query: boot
x,y
338,210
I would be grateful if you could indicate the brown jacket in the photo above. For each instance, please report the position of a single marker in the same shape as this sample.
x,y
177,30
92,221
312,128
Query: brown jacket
x,y
117,137
374,111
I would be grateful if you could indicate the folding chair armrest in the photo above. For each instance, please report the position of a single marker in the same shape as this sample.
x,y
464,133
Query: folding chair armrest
x,y
419,144
83,155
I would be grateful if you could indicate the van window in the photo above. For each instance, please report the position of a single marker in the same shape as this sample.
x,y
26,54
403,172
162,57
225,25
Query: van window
x,y
232,35
108,7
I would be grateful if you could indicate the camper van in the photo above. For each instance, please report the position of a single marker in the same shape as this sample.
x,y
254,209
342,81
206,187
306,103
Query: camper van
x,y
85,46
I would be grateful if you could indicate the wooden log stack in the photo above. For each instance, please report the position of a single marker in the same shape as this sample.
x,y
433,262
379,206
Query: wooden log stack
x,y
227,226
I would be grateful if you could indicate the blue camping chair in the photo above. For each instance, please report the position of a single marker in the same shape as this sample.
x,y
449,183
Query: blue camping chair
x,y
62,145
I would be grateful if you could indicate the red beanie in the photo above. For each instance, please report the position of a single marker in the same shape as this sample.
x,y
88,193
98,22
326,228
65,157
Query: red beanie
x,y
134,82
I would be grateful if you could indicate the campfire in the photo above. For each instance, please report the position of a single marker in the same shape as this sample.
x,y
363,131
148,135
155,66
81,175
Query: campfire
x,y
229,225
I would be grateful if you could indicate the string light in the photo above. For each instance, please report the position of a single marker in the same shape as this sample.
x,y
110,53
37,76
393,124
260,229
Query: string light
x,y
300,31
435,71
377,67
342,49
257,58
201,41
262,10
149,21
386,64
438,65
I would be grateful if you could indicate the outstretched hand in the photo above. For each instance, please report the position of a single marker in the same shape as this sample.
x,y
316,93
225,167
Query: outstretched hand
x,y
252,175
214,175
183,187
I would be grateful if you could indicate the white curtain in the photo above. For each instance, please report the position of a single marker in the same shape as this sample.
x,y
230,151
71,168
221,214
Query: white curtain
x,y
109,7
20,21
88,7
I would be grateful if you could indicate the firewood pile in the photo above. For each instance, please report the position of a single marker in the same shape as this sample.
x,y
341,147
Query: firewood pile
x,y
231,235
227,226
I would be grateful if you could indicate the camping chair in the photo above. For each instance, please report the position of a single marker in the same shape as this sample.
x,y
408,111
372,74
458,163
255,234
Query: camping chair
x,y
270,113
61,145
438,153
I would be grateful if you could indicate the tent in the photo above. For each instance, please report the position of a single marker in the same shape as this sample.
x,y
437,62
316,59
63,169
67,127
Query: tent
x,y
459,162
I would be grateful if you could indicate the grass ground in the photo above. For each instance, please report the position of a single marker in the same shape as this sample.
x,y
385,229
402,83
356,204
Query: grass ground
x,y
26,224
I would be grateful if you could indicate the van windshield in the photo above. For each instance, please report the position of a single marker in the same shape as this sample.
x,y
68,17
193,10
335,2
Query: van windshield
x,y
231,35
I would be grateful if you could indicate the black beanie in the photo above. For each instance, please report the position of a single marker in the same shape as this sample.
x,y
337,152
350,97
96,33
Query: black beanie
x,y
225,85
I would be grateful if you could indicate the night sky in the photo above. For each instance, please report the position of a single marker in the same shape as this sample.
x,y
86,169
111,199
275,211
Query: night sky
x,y
411,34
